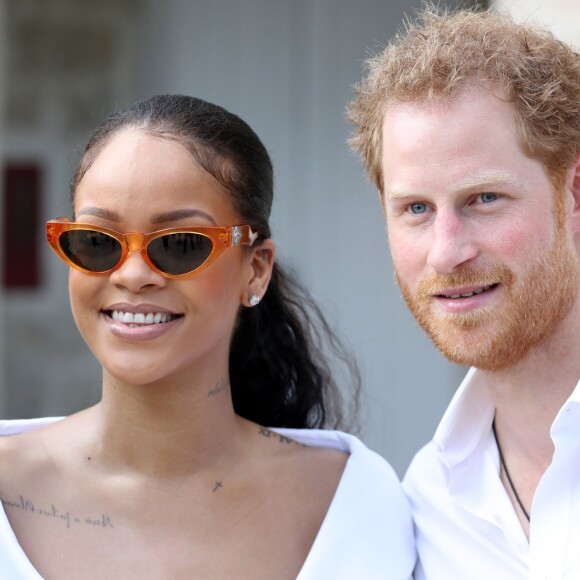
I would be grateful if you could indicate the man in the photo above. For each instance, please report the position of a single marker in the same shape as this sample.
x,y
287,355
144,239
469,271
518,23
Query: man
x,y
469,125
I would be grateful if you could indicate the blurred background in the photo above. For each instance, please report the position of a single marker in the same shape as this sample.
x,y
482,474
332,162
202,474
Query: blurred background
x,y
286,67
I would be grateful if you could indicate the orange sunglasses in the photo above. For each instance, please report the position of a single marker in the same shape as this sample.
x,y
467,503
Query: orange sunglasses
x,y
173,252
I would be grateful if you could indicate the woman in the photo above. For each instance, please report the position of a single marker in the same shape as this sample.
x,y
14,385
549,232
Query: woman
x,y
203,343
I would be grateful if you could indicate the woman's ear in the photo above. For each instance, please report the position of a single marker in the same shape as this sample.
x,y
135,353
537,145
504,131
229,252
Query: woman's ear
x,y
261,264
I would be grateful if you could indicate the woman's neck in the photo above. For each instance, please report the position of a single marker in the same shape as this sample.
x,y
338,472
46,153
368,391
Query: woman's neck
x,y
169,428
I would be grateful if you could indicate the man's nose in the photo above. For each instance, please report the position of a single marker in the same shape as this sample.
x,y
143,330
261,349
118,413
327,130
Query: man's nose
x,y
453,242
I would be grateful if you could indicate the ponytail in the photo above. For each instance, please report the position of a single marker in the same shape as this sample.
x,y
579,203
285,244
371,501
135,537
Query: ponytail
x,y
279,373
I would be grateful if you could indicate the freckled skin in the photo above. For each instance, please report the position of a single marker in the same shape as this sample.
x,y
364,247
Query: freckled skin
x,y
462,201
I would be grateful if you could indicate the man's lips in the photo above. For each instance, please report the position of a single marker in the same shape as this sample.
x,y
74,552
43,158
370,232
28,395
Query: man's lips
x,y
465,299
468,292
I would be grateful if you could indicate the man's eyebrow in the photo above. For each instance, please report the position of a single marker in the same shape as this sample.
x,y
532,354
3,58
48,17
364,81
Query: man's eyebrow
x,y
398,193
476,181
491,179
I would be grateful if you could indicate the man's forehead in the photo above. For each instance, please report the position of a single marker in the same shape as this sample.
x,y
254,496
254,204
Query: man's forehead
x,y
464,144
433,102
474,119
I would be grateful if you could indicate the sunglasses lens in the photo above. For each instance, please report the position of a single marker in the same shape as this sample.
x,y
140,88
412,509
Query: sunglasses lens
x,y
180,253
93,251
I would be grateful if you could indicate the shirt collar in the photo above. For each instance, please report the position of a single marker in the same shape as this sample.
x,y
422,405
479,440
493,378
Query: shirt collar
x,y
565,426
575,396
469,417
466,421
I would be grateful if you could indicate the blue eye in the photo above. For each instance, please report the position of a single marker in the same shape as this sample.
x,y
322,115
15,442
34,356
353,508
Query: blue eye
x,y
418,208
487,197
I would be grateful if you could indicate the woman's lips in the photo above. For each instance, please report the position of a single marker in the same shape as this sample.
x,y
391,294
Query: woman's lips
x,y
135,318
139,326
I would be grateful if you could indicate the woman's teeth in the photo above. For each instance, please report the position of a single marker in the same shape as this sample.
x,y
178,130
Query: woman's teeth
x,y
139,318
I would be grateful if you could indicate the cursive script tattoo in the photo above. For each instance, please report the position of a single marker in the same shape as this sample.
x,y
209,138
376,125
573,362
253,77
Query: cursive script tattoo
x,y
220,386
26,506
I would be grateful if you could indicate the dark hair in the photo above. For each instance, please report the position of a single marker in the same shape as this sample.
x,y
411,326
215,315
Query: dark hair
x,y
282,351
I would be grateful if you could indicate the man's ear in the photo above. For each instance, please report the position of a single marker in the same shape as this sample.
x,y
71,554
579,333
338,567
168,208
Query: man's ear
x,y
573,186
261,265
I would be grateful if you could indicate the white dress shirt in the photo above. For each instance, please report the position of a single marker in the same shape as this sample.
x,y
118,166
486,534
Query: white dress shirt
x,y
367,533
465,524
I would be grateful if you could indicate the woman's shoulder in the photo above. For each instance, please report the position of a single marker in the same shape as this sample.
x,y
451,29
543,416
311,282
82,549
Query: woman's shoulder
x,y
361,459
21,447
17,433
369,515
368,481
10,427
288,452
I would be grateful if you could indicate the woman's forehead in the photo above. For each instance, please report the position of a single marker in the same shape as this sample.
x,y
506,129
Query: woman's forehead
x,y
137,171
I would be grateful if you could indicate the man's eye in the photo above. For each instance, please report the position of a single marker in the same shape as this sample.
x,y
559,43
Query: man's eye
x,y
418,208
487,197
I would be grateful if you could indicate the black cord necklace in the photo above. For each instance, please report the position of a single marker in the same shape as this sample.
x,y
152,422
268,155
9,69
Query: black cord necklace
x,y
507,474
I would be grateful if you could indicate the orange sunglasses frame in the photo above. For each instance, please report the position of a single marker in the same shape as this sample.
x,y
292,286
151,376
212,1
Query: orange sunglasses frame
x,y
222,237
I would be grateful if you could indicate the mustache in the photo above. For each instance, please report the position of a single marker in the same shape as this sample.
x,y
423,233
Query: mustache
x,y
438,283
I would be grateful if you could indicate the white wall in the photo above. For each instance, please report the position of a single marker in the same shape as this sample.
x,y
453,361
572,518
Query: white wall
x,y
67,67
287,68
3,50
562,16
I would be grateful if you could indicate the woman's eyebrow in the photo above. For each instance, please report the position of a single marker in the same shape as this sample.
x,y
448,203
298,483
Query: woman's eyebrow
x,y
99,212
179,214
170,216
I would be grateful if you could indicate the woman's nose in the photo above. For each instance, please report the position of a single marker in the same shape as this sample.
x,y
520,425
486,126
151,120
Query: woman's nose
x,y
136,275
